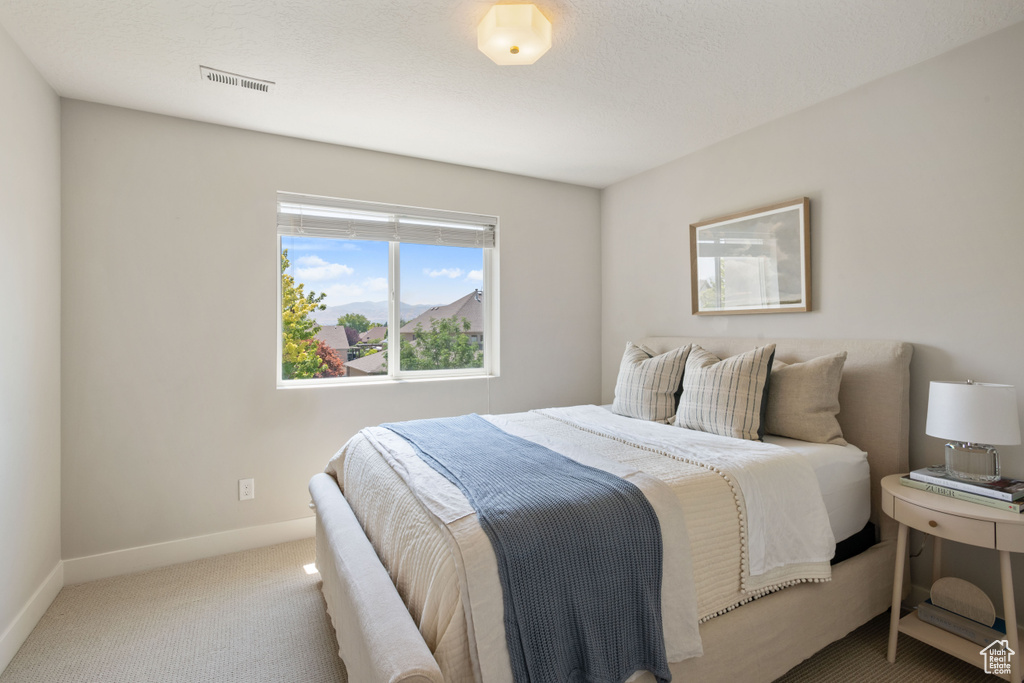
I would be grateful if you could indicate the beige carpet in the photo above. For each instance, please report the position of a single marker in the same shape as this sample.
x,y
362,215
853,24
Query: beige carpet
x,y
249,616
258,616
860,657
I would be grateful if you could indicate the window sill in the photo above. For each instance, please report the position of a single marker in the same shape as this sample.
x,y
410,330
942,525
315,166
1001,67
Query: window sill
x,y
377,381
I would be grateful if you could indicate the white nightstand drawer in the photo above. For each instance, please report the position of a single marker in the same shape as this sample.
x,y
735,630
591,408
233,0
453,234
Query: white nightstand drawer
x,y
972,531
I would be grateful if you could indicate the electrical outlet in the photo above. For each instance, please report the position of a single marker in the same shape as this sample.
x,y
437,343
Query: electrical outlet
x,y
246,489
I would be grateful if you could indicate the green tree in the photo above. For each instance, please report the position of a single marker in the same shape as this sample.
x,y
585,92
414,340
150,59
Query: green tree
x,y
446,346
299,359
356,321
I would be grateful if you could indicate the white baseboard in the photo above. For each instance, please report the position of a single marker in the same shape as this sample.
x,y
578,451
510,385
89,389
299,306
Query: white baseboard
x,y
141,558
15,634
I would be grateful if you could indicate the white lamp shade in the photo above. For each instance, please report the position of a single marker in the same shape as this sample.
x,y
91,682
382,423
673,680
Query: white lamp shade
x,y
514,34
973,413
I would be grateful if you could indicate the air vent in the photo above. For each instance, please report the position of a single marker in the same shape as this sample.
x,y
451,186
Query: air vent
x,y
227,78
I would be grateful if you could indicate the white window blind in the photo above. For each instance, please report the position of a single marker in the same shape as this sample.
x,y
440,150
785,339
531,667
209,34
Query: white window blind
x,y
312,216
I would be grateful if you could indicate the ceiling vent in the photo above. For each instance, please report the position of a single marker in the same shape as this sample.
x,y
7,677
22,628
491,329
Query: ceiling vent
x,y
227,78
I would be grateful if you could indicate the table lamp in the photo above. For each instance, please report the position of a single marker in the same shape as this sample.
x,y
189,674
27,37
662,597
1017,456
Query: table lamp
x,y
973,415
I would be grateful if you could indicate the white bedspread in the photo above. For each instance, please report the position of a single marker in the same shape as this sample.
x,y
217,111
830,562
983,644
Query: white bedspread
x,y
476,563
786,519
427,535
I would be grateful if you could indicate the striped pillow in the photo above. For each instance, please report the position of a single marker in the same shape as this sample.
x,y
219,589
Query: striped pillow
x,y
647,386
726,397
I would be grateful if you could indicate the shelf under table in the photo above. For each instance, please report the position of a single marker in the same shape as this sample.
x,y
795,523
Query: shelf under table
x,y
960,648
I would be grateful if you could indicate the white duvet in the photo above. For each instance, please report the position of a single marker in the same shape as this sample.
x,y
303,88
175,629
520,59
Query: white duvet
x,y
787,522
778,534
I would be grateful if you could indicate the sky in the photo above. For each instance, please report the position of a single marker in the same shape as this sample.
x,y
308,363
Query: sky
x,y
357,270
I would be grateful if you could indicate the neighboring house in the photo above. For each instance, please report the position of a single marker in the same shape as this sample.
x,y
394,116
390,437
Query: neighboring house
x,y
470,307
342,339
367,365
371,340
377,333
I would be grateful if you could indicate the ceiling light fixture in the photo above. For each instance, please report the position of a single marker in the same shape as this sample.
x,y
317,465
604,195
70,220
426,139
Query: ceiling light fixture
x,y
514,34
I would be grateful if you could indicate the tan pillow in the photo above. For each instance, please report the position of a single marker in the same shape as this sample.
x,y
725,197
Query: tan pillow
x,y
726,397
804,400
647,384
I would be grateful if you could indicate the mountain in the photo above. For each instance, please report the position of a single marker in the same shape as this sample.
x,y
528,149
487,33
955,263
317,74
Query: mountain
x,y
376,311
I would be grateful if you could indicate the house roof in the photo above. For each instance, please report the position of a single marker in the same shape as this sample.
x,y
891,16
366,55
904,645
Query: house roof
x,y
371,365
335,336
470,307
374,333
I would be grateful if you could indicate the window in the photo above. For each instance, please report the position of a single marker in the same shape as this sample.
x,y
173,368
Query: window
x,y
371,292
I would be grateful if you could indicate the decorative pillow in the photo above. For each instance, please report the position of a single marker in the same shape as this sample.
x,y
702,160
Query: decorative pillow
x,y
726,397
804,400
648,385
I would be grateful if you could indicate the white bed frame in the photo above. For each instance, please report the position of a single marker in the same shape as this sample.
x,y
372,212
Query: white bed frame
x,y
759,641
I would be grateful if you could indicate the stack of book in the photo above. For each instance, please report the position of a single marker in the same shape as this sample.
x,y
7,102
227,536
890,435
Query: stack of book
x,y
1002,494
960,625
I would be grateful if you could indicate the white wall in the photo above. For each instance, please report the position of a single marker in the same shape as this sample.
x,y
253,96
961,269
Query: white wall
x,y
916,184
170,310
29,345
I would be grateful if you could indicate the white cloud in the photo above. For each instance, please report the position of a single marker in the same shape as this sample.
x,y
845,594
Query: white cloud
x,y
370,289
376,284
313,268
475,275
444,272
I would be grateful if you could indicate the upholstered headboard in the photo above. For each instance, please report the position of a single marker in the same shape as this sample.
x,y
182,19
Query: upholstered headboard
x,y
874,396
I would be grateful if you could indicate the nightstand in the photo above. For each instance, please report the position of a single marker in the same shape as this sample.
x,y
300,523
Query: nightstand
x,y
964,522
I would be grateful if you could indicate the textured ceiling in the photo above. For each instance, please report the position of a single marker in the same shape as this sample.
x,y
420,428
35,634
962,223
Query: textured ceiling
x,y
626,87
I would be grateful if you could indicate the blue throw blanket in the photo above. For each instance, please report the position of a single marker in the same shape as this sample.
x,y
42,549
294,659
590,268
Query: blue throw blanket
x,y
579,552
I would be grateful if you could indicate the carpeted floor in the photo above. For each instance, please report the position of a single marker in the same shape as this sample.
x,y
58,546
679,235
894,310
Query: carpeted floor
x,y
258,616
249,616
860,658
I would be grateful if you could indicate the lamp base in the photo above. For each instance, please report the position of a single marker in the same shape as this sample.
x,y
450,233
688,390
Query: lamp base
x,y
972,462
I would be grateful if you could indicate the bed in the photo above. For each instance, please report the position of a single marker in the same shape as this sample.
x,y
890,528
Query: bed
x,y
379,639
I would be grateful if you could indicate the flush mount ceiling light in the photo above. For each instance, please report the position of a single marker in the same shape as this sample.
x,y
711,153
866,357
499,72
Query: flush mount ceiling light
x,y
514,34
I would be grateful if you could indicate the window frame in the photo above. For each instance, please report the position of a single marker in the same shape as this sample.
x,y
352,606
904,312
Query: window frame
x,y
437,217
